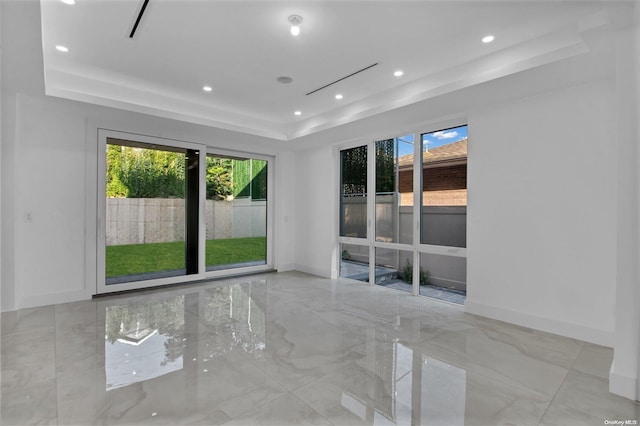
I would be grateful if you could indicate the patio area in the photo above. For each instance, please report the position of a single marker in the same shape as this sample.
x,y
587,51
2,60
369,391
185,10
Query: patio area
x,y
388,277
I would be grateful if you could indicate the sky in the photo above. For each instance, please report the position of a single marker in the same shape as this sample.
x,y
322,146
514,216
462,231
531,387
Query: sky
x,y
433,139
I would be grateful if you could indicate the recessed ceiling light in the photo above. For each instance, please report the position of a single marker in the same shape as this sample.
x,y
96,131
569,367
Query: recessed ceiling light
x,y
295,21
298,113
61,48
398,73
207,88
339,96
68,1
284,79
488,39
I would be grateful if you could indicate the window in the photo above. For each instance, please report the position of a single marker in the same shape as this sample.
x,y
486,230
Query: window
x,y
353,192
444,187
417,241
394,190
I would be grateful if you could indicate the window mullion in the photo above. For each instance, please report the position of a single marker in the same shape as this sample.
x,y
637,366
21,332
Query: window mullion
x,y
371,209
417,210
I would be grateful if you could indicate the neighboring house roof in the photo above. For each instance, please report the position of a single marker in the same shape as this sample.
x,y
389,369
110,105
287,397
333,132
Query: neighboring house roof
x,y
451,153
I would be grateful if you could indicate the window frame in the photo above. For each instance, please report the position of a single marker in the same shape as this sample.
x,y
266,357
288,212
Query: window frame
x,y
417,247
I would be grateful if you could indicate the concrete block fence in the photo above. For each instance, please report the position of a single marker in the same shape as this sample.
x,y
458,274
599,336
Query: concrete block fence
x,y
157,220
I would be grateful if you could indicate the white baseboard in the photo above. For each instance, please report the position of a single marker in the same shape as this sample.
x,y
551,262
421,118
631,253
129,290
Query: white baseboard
x,y
286,267
52,298
574,331
313,271
622,384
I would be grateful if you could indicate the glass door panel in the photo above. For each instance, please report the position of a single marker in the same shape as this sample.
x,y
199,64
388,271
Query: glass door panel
x,y
146,189
235,212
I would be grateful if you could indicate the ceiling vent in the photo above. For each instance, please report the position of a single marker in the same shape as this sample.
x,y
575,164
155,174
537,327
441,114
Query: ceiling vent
x,y
343,78
135,26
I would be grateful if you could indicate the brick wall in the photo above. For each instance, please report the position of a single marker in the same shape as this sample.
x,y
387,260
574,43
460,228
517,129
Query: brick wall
x,y
454,197
443,186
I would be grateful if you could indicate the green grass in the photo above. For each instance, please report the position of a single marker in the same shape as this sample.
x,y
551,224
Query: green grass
x,y
140,258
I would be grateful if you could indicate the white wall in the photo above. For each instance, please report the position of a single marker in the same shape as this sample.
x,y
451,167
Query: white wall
x,y
285,223
49,204
623,377
1,209
316,211
541,216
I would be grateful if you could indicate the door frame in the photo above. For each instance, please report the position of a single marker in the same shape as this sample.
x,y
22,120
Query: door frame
x,y
203,150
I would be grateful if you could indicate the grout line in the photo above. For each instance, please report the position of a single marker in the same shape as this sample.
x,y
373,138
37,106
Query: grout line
x,y
562,384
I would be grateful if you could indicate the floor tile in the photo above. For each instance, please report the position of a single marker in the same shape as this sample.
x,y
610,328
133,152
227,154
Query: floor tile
x,y
27,320
291,348
595,360
286,410
587,397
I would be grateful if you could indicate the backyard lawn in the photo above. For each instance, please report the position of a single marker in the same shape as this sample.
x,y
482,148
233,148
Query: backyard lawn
x,y
141,258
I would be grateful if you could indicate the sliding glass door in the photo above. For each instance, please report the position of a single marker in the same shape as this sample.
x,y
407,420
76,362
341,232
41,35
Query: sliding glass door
x,y
171,212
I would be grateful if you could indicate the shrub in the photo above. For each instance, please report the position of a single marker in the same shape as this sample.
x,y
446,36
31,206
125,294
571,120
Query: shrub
x,y
407,274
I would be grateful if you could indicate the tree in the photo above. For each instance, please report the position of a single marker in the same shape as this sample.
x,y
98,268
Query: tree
x,y
219,178
353,170
134,172
385,166
144,173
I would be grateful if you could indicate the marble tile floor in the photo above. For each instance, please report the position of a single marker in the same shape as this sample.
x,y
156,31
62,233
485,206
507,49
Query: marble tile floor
x,y
293,349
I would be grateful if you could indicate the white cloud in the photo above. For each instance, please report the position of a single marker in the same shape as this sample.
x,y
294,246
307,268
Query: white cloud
x,y
445,135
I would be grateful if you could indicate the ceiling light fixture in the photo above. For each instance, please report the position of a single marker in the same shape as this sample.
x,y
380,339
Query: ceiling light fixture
x,y
61,48
68,1
298,113
339,96
398,73
207,88
295,21
488,39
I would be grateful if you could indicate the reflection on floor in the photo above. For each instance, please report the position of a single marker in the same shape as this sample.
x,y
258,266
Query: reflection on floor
x,y
435,292
291,349
388,277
